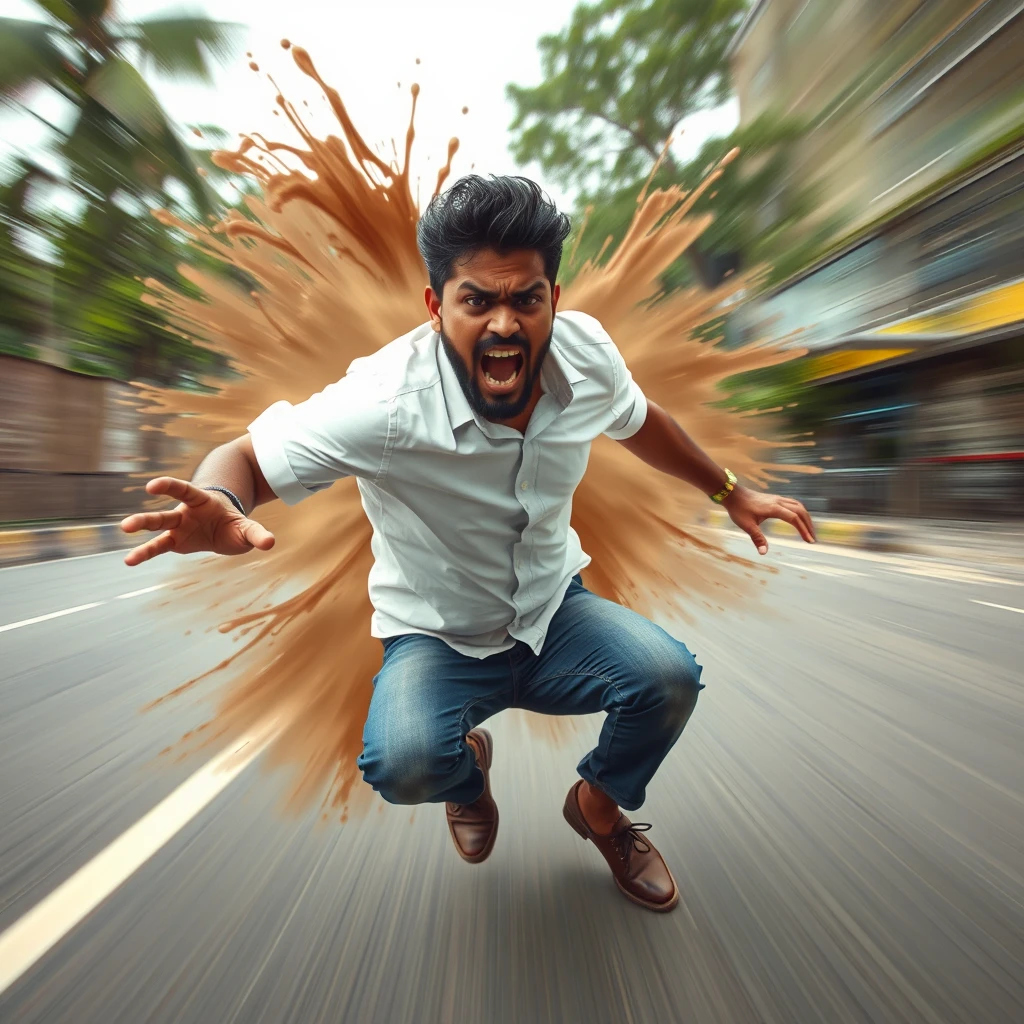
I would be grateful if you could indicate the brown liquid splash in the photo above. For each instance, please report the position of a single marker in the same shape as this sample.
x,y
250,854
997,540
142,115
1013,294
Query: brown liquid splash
x,y
331,250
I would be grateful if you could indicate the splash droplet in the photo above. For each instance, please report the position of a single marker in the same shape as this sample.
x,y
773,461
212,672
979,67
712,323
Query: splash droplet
x,y
254,65
465,110
286,44
197,133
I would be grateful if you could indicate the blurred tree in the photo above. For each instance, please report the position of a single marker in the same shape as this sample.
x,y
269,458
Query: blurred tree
x,y
26,281
69,283
121,138
618,82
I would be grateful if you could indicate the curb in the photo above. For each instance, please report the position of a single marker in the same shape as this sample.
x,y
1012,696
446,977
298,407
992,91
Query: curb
x,y
45,543
853,535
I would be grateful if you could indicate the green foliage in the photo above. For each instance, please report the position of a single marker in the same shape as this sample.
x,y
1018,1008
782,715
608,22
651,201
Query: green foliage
x,y
617,82
73,285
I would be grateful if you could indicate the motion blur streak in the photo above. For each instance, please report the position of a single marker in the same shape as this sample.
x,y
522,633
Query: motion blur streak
x,y
844,822
914,148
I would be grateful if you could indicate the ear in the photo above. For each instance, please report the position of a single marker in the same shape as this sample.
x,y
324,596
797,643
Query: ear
x,y
433,301
556,293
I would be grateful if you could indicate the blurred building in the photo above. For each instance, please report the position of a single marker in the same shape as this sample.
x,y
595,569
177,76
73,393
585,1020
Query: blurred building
x,y
915,318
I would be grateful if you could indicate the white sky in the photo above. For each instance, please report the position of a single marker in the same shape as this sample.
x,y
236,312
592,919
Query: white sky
x,y
469,50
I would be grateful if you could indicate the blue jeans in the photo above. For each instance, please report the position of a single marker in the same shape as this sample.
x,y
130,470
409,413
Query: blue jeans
x,y
598,656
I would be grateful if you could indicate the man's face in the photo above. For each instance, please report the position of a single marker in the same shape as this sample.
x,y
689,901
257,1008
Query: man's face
x,y
495,318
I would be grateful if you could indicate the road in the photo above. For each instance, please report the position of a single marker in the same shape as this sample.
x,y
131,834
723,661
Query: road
x,y
844,815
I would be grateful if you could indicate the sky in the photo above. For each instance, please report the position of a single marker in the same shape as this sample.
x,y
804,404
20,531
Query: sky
x,y
468,49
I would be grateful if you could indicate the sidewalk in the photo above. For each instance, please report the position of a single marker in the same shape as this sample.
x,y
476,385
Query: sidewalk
x,y
936,538
60,540
985,542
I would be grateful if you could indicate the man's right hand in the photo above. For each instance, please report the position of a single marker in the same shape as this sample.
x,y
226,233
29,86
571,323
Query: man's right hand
x,y
203,521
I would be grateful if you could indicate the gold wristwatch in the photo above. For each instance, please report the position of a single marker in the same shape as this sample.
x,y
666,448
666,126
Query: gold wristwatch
x,y
730,484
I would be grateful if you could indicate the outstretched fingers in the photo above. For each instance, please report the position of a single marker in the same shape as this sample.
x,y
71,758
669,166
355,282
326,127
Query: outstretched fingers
x,y
151,521
804,516
257,535
152,548
182,490
801,523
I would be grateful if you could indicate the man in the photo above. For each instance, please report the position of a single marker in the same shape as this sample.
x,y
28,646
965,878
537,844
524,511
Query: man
x,y
468,437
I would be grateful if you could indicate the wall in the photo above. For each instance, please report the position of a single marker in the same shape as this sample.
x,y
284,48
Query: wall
x,y
69,444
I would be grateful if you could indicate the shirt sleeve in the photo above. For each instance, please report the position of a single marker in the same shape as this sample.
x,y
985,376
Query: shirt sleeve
x,y
341,431
629,404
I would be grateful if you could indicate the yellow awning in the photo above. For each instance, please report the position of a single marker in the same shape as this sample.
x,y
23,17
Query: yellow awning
x,y
973,314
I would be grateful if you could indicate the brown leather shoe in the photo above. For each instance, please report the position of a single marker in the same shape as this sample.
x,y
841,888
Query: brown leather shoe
x,y
474,827
638,869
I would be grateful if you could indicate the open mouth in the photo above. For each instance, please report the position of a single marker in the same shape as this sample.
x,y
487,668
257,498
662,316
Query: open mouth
x,y
502,366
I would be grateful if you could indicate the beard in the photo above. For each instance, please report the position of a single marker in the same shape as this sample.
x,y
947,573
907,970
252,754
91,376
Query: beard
x,y
499,407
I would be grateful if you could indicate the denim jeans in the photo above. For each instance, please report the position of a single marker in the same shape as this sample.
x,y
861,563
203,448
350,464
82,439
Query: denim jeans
x,y
598,656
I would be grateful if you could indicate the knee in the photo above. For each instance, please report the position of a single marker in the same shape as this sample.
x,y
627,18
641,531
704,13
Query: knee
x,y
670,682
402,774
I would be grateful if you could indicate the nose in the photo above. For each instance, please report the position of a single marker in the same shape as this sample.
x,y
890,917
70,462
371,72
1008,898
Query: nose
x,y
504,322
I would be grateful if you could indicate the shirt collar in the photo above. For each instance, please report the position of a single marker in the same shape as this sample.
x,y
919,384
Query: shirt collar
x,y
558,375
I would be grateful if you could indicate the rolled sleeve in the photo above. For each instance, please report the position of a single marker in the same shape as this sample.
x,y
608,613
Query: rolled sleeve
x,y
340,432
633,418
629,404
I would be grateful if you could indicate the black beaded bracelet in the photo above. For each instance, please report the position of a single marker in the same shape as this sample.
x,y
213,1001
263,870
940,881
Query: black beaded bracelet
x,y
231,497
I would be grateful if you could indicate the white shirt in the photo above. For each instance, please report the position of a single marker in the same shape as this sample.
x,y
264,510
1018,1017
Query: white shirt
x,y
471,535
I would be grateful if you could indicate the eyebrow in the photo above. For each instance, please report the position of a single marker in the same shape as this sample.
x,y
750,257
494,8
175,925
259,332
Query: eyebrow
x,y
467,285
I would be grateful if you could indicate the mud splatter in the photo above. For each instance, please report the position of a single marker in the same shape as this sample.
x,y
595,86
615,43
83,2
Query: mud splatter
x,y
330,254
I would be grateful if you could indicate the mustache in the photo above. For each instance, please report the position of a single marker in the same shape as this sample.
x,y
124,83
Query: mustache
x,y
485,343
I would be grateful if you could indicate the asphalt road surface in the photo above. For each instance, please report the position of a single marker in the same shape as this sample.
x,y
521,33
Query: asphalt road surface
x,y
844,815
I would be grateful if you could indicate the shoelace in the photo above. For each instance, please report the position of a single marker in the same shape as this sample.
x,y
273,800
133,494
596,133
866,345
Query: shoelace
x,y
632,836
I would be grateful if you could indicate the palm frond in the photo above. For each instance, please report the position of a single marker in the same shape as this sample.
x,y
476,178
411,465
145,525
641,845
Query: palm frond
x,y
28,55
118,87
182,46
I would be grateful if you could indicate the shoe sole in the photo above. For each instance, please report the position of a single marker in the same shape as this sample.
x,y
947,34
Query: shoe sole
x,y
488,751
658,908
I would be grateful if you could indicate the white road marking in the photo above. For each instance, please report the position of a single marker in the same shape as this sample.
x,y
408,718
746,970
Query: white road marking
x,y
955,574
823,570
52,615
1003,607
137,593
29,938
79,608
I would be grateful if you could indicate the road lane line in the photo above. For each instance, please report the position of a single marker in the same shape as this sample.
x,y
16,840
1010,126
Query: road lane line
x,y
79,608
51,615
38,931
1003,607
823,570
136,593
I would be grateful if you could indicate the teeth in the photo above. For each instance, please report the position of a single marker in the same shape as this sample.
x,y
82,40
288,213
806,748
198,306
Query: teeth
x,y
500,383
502,355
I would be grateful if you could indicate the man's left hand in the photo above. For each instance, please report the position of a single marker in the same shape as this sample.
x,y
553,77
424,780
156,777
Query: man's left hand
x,y
749,509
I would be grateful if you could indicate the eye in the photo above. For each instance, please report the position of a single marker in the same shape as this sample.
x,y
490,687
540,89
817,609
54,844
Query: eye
x,y
530,300
476,301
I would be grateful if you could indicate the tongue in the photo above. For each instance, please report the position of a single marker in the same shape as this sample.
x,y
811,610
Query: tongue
x,y
500,369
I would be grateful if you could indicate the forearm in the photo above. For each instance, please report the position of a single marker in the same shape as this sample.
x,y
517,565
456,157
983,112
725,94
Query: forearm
x,y
665,446
234,466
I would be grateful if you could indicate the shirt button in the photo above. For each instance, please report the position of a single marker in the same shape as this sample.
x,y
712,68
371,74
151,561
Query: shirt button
x,y
524,486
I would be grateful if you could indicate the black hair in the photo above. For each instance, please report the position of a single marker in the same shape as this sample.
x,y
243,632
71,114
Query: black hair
x,y
502,213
